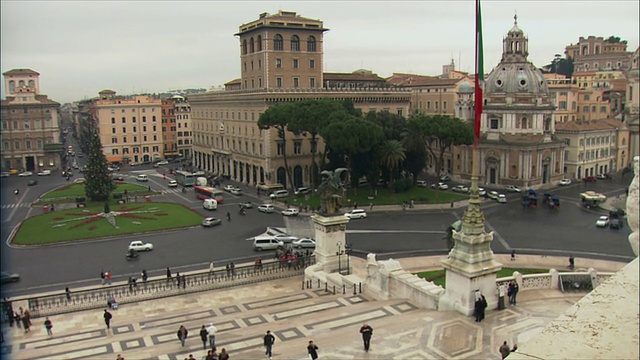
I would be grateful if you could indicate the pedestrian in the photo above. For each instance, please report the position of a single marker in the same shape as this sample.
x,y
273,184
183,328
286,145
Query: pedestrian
x,y
513,255
182,334
512,292
477,306
52,208
211,268
483,306
68,292
412,203
367,332
130,283
572,262
233,269
313,350
109,277
204,335
228,216
184,281
504,350
501,293
228,270
269,340
18,319
168,274
27,315
119,357
209,356
48,325
212,330
26,323
144,275
178,278
107,318
224,355
103,276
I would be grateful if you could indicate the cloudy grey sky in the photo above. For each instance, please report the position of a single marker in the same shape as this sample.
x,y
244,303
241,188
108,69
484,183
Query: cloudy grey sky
x,y
82,47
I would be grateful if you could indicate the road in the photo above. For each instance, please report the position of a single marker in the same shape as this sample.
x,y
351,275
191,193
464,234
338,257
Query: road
x,y
570,230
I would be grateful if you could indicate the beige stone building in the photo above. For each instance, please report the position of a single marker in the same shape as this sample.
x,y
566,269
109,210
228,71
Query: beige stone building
x,y
594,147
176,127
596,53
31,136
281,61
633,105
130,127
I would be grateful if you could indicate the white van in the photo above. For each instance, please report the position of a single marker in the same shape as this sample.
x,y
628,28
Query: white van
x,y
201,181
142,177
210,204
260,244
279,194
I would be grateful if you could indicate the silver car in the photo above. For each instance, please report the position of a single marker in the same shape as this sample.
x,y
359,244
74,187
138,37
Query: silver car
x,y
304,243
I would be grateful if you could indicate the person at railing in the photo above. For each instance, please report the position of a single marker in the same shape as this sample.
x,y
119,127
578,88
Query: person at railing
x,y
144,275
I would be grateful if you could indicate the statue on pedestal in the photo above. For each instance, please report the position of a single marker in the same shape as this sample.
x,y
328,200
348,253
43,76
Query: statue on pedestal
x,y
331,190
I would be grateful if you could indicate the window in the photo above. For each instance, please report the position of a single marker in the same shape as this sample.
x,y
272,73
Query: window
x,y
573,105
251,45
114,151
113,130
259,41
428,104
585,109
312,64
144,119
28,144
153,118
244,47
586,97
295,63
296,82
277,42
278,63
562,105
279,82
603,109
144,128
26,124
297,147
144,138
295,43
114,140
133,119
444,106
280,148
311,44
312,83
494,123
124,120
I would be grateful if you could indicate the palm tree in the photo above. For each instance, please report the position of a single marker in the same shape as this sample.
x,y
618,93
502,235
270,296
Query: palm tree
x,y
391,154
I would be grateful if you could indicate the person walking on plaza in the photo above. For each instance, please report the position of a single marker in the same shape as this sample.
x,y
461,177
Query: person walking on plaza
x,y
144,276
512,292
182,334
313,350
184,281
204,335
26,323
212,330
68,293
572,262
367,332
504,350
107,318
48,325
269,340
103,277
513,255
224,355
109,277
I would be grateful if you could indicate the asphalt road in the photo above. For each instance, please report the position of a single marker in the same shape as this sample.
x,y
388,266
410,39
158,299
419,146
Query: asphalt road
x,y
570,230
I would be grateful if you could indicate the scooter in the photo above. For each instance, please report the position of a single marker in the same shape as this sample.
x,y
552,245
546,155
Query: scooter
x,y
132,256
17,191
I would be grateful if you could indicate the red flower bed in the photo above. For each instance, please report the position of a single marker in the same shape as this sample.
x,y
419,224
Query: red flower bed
x,y
161,214
126,208
92,227
134,216
88,221
58,218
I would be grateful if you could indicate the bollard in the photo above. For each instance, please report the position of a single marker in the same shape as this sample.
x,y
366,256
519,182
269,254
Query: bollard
x,y
334,289
344,289
318,283
326,287
303,281
360,288
354,289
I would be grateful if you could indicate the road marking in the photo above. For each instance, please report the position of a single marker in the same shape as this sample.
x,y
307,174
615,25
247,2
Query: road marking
x,y
498,236
396,231
601,255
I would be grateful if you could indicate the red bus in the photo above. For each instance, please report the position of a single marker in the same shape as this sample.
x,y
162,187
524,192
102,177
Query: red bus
x,y
207,192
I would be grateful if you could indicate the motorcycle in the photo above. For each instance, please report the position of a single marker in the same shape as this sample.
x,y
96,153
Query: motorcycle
x,y
132,255
17,191
242,212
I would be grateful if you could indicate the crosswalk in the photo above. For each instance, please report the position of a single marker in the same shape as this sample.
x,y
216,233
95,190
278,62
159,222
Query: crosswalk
x,y
13,206
172,191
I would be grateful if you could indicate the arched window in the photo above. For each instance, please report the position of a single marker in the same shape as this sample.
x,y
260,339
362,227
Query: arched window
x,y
12,86
311,44
523,123
32,83
251,46
295,43
277,42
259,43
21,83
244,47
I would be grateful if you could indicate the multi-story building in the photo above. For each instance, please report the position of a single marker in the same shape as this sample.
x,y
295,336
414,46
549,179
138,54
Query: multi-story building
x,y
596,53
130,127
518,145
594,147
169,131
564,97
176,129
281,58
31,136
633,105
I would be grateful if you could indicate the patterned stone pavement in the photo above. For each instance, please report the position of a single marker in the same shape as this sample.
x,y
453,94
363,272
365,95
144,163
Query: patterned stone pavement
x,y
147,330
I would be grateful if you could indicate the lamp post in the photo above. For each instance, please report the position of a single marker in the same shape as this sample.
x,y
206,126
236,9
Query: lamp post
x,y
339,254
347,251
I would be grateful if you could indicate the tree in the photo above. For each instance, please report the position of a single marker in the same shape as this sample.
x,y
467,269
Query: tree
x,y
277,117
415,162
391,154
559,65
98,185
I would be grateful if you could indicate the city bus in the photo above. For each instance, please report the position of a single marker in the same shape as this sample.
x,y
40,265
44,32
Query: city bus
x,y
207,192
184,178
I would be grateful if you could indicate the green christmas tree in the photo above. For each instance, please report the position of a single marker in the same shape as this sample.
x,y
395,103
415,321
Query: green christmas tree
x,y
98,185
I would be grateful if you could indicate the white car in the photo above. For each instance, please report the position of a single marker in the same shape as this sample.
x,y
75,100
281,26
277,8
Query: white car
x,y
228,187
79,180
421,183
266,208
142,177
301,191
603,221
493,195
199,173
441,186
304,243
513,188
565,182
290,212
163,162
44,173
236,191
25,174
356,214
460,189
140,246
172,183
502,198
482,191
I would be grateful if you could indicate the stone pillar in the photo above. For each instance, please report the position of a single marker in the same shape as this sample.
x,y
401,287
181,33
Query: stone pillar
x,y
329,232
632,206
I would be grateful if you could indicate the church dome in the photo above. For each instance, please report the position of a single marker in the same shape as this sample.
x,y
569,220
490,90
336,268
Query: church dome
x,y
465,88
516,78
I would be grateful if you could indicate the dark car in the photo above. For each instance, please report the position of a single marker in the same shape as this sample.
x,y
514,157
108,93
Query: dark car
x,y
616,224
590,179
32,182
6,277
616,213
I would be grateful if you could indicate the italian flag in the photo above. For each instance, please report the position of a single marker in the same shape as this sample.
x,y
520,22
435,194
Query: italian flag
x,y
479,88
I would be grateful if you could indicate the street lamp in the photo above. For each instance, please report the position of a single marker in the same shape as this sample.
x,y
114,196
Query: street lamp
x,y
339,253
343,251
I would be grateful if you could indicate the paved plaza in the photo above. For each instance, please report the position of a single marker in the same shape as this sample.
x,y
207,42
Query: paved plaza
x,y
147,330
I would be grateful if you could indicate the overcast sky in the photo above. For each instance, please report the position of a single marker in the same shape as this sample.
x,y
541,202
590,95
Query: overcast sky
x,y
82,47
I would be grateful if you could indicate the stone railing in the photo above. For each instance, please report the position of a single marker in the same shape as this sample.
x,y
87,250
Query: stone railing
x,y
131,292
554,279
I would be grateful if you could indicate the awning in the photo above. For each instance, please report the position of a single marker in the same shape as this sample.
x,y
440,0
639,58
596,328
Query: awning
x,y
114,158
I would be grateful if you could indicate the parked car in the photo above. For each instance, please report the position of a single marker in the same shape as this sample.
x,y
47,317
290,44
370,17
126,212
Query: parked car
x,y
460,189
211,221
590,179
140,246
142,177
172,183
199,173
421,183
304,243
228,187
616,224
279,194
260,244
290,212
163,162
79,180
236,191
603,176
5,174
513,188
444,178
493,195
118,178
301,190
565,182
502,199
25,174
32,183
210,204
44,173
603,221
440,185
266,208
482,192
7,277
356,214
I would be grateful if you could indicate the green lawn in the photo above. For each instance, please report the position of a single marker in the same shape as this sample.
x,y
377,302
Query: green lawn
x,y
366,196
438,276
77,190
76,224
